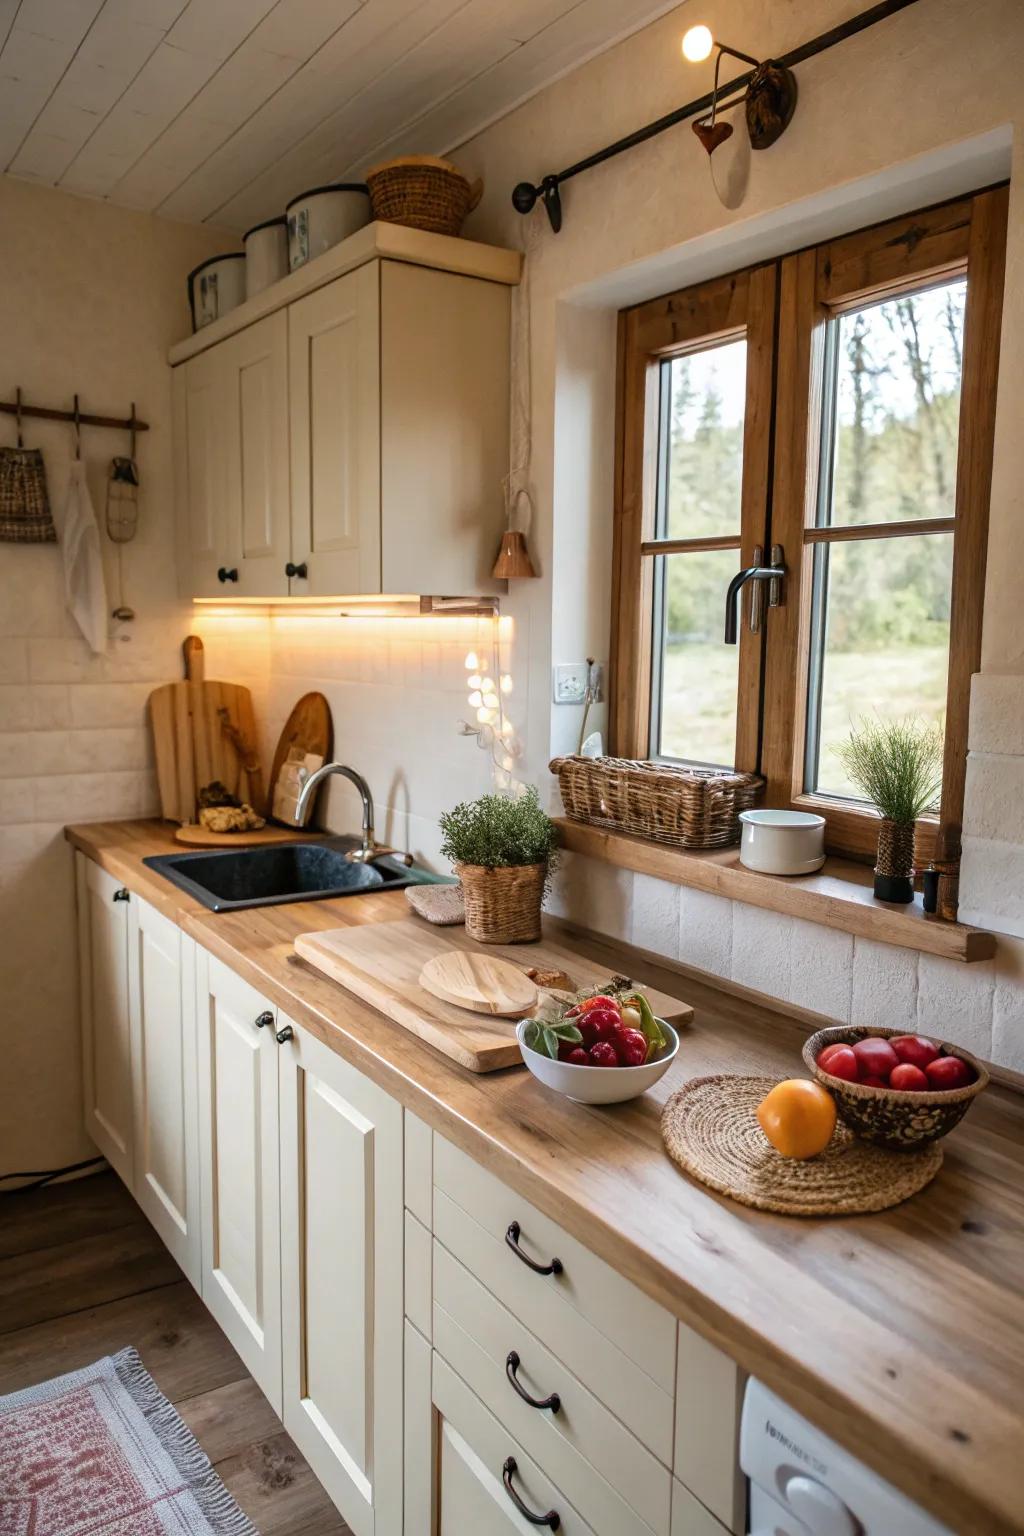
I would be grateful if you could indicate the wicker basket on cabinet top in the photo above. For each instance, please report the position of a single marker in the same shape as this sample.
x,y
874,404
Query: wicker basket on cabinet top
x,y
688,807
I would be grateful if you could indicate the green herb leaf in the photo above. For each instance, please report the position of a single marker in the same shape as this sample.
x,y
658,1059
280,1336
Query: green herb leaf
x,y
531,1035
550,1042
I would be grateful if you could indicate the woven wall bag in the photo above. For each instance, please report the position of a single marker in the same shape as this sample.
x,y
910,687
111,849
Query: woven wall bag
x,y
24,505
687,807
423,192
503,904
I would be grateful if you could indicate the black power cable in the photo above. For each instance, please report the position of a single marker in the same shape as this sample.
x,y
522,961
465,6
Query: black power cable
x,y
43,1176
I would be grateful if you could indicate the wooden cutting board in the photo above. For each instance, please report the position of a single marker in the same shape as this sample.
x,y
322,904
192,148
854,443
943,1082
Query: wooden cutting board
x,y
201,837
309,729
381,962
191,744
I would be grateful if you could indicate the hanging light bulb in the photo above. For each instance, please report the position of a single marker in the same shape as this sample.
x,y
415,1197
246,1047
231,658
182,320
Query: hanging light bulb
x,y
488,685
697,44
472,661
476,698
475,680
491,700
506,684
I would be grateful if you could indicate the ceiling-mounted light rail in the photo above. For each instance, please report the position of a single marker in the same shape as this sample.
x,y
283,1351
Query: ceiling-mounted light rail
x,y
526,195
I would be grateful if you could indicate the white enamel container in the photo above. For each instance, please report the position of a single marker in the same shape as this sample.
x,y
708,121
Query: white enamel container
x,y
782,842
266,255
322,217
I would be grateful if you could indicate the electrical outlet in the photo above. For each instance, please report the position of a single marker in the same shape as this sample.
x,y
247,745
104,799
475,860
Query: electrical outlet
x,y
570,682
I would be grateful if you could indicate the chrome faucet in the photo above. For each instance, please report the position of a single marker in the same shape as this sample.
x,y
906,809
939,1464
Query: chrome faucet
x,y
772,574
369,849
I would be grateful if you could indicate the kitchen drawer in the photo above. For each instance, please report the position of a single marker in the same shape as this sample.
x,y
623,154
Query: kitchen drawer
x,y
619,1343
472,1451
613,1480
689,1517
417,1274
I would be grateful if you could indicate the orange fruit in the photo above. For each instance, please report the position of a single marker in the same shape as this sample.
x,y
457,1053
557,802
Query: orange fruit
x,y
798,1117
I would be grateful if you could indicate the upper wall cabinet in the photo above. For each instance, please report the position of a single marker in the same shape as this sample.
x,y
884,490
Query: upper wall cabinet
x,y
346,432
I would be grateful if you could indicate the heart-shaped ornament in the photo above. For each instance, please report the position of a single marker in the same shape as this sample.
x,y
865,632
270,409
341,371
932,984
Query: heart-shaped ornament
x,y
712,134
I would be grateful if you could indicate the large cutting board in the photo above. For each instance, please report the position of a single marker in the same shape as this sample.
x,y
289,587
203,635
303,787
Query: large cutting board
x,y
381,963
190,744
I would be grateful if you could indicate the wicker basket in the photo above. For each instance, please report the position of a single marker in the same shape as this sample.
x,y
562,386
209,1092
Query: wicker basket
x,y
689,807
422,192
503,905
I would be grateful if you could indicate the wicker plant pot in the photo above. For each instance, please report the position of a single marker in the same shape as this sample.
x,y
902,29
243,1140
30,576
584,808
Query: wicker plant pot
x,y
422,192
894,866
503,905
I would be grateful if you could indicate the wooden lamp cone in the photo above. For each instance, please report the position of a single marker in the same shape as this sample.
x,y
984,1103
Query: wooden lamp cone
x,y
513,557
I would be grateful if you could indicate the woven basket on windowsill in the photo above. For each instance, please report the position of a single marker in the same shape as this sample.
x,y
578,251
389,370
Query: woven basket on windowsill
x,y
502,904
687,807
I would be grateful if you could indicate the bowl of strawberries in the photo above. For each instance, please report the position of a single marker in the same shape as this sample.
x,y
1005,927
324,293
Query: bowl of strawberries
x,y
896,1090
598,1048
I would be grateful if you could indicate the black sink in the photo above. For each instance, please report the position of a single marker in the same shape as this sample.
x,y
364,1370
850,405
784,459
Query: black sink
x,y
268,875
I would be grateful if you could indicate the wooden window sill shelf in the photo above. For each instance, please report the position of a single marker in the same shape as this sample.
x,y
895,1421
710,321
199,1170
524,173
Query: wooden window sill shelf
x,y
838,896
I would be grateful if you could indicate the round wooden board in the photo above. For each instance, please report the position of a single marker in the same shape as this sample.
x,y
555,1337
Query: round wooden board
x,y
308,728
195,836
479,983
710,1130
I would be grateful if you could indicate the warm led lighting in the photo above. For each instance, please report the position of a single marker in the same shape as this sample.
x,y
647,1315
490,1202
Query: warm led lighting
x,y
475,680
506,684
488,685
476,698
472,662
484,716
697,44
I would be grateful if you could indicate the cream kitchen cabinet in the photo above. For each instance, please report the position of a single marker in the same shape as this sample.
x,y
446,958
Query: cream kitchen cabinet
x,y
354,440
302,1246
138,1035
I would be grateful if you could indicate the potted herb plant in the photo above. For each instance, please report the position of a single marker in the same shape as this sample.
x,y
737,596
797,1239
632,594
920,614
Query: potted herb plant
x,y
503,851
898,765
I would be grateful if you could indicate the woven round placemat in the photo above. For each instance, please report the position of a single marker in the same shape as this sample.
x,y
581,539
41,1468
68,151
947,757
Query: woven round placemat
x,y
440,904
710,1129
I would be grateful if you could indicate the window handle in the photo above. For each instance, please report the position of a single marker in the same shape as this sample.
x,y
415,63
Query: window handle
x,y
773,574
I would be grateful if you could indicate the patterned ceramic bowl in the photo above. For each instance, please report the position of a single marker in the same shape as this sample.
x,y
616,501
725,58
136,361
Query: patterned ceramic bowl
x,y
886,1116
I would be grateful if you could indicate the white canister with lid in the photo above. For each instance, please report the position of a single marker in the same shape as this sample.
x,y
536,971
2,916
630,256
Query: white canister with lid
x,y
266,255
782,842
215,288
321,217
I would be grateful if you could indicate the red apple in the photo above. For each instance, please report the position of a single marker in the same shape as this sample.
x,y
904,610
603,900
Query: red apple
x,y
841,1063
916,1049
875,1057
600,1022
908,1078
875,1082
947,1072
631,1047
577,1057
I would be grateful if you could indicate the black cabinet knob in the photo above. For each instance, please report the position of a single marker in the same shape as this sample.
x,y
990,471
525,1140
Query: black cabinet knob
x,y
285,1034
292,570
224,574
263,1019
122,895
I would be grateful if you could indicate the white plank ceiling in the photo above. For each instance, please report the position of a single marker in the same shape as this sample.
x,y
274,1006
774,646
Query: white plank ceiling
x,y
223,110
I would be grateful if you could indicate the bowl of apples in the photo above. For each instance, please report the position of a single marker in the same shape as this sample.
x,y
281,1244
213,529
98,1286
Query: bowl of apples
x,y
601,1048
896,1090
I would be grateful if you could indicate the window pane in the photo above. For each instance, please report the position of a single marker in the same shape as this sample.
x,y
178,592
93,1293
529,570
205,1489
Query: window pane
x,y
893,418
880,642
694,674
702,461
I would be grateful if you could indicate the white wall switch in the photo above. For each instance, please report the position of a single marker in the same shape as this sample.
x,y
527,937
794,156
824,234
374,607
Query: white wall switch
x,y
570,682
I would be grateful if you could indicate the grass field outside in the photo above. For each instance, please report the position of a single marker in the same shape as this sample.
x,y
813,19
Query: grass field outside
x,y
699,714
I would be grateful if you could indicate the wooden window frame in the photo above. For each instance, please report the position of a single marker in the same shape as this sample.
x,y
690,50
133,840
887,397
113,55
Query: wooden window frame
x,y
741,305
782,308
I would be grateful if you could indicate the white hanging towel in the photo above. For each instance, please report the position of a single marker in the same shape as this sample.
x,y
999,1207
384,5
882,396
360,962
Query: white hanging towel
x,y
84,585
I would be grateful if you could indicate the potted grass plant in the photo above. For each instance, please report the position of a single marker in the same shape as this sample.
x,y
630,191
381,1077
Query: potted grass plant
x,y
898,765
503,851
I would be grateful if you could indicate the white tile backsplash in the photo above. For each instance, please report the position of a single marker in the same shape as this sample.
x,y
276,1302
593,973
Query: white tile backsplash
x,y
655,916
955,1001
705,930
884,984
821,969
761,949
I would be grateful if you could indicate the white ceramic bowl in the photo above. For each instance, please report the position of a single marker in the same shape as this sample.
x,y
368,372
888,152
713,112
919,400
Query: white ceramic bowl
x,y
599,1085
782,842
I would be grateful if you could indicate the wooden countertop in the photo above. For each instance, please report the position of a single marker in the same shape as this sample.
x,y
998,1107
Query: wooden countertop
x,y
900,1334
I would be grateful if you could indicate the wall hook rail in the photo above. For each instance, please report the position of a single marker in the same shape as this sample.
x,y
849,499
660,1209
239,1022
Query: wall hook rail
x,y
78,417
525,195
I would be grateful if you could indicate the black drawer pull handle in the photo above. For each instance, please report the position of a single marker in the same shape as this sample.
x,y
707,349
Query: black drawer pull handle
x,y
263,1019
554,1402
512,1238
291,570
122,895
224,574
285,1034
552,1519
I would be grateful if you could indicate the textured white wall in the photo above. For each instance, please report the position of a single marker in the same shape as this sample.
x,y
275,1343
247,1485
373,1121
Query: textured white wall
x,y
90,299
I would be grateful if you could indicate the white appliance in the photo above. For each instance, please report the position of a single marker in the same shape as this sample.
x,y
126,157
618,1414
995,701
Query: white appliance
x,y
803,1484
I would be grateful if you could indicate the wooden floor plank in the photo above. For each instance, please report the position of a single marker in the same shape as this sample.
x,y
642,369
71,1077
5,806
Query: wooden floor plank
x,y
274,1485
180,1344
34,1219
227,1420
89,1272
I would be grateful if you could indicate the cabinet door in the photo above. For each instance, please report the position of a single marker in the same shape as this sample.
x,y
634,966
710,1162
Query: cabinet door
x,y
334,409
161,989
238,1152
341,1245
256,433
106,1034
201,475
